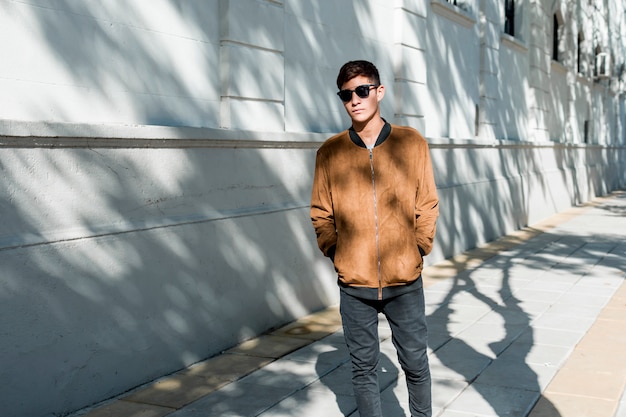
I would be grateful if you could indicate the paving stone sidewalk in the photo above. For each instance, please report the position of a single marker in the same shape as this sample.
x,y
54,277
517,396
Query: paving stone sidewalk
x,y
533,324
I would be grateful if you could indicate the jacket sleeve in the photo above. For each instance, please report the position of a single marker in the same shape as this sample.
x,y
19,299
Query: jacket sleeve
x,y
322,215
426,203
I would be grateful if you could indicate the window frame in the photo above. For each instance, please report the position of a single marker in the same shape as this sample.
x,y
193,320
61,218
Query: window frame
x,y
455,13
509,17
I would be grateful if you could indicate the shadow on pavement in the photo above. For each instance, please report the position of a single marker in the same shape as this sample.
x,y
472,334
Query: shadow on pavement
x,y
340,383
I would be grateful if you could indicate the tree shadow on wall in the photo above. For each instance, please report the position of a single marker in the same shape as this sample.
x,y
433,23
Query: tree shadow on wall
x,y
123,263
119,264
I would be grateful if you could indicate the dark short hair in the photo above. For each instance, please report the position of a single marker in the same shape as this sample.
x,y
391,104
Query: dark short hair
x,y
353,69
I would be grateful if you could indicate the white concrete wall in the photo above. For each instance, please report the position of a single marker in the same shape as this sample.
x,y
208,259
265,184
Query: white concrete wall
x,y
488,191
513,90
110,62
453,53
558,104
156,163
122,264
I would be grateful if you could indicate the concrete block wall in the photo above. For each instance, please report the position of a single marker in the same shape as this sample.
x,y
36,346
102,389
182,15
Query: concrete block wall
x,y
126,261
410,81
156,165
453,53
252,67
112,62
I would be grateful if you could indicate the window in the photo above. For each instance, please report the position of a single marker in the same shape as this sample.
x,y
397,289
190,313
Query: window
x,y
513,24
452,2
603,65
509,17
555,37
579,52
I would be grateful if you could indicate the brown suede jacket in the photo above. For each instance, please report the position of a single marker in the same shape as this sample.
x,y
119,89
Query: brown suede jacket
x,y
375,211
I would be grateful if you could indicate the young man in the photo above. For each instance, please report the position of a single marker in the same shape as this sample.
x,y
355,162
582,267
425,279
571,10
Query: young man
x,y
374,207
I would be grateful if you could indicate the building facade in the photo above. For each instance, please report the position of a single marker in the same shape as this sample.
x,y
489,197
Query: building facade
x,y
157,159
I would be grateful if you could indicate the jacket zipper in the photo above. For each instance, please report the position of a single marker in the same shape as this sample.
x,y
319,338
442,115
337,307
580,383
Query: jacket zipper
x,y
380,280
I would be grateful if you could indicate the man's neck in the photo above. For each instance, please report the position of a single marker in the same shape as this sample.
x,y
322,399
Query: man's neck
x,y
370,131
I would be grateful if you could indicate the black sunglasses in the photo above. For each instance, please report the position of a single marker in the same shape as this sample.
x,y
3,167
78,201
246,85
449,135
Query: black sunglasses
x,y
363,91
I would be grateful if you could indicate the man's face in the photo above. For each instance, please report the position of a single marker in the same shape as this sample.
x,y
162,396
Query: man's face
x,y
362,110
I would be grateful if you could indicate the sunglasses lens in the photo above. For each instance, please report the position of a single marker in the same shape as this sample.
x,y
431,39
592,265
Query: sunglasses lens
x,y
345,95
362,91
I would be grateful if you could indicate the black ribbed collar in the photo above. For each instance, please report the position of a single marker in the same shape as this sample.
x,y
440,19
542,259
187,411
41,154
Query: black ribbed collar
x,y
382,136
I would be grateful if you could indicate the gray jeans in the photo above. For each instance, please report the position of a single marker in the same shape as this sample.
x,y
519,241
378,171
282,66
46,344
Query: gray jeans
x,y
406,317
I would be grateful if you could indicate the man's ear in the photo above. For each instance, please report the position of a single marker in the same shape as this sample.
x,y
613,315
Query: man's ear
x,y
380,92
